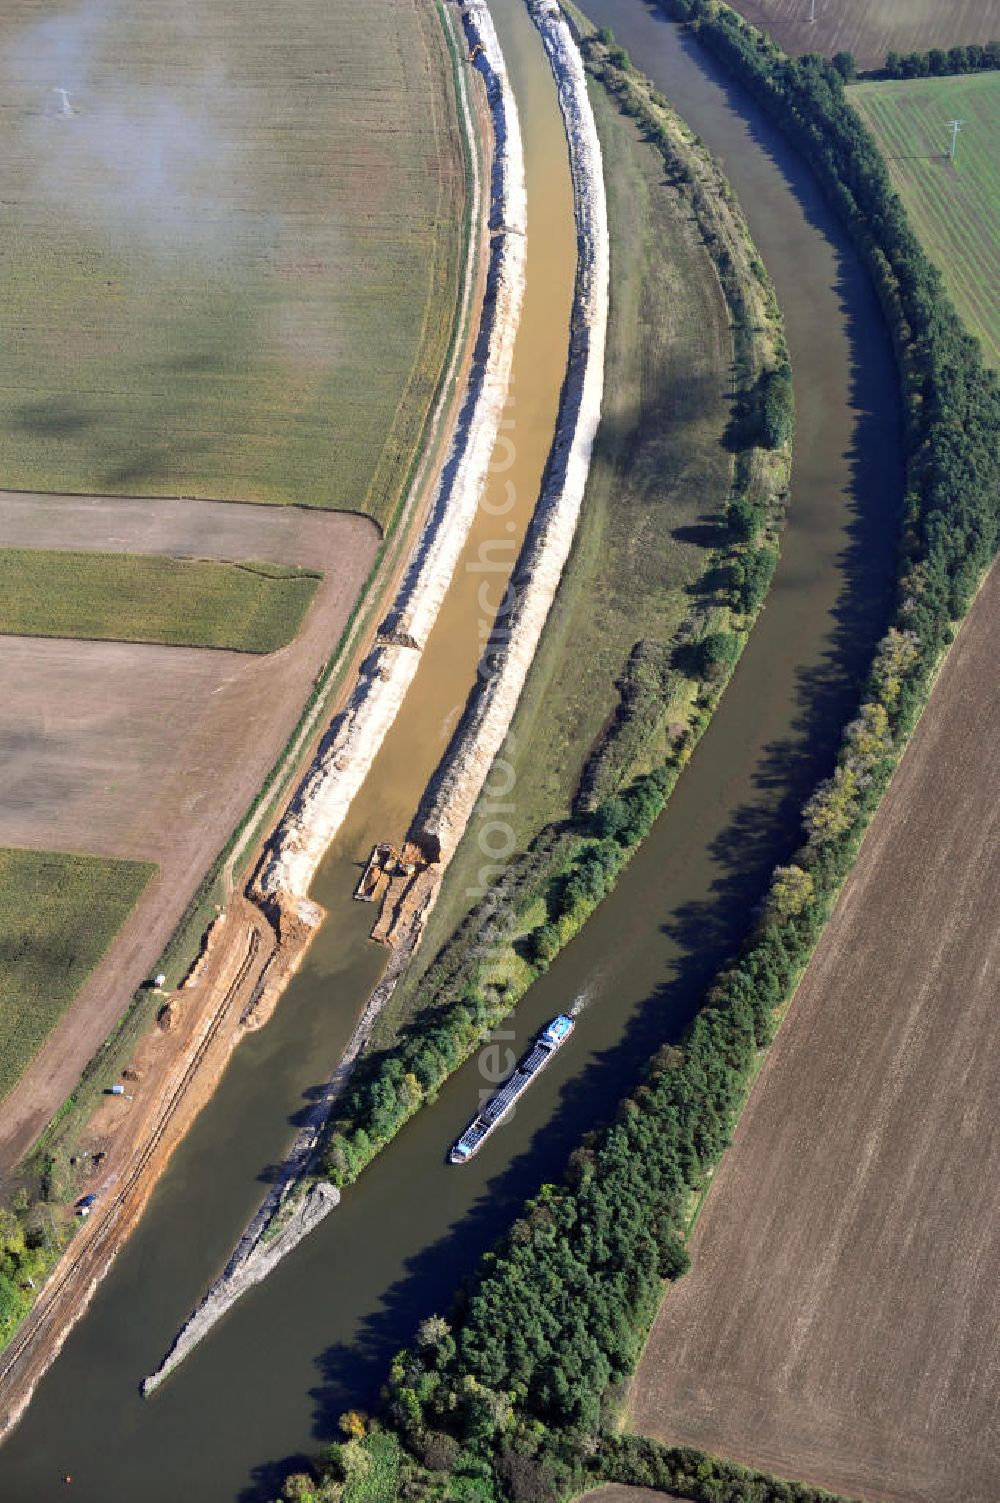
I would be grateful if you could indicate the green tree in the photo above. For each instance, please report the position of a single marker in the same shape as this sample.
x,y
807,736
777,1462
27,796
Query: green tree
x,y
544,944
717,655
745,518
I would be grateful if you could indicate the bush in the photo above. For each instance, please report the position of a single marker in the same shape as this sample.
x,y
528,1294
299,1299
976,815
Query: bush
x,y
744,518
751,577
777,410
716,655
544,944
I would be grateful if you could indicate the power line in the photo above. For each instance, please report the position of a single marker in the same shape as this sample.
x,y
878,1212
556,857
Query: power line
x,y
956,126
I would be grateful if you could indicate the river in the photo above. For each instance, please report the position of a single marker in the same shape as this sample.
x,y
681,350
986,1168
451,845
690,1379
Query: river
x,y
270,1382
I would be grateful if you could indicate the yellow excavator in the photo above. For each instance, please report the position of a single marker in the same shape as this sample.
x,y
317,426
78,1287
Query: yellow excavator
x,y
477,49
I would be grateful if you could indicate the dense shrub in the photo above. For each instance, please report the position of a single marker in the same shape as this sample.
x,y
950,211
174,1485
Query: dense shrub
x,y
716,654
777,408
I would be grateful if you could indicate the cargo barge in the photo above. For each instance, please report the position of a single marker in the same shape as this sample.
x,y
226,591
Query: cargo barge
x,y
505,1098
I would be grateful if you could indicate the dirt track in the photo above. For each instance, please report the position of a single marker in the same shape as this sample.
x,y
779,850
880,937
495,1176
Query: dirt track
x,y
841,1323
151,752
178,1070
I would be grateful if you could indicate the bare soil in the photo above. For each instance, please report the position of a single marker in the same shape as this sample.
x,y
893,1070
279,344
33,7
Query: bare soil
x,y
871,28
151,752
617,1492
840,1322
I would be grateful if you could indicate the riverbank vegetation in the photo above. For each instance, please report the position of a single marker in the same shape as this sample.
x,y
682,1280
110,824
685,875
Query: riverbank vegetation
x,y
58,914
518,1394
124,597
954,206
263,314
677,545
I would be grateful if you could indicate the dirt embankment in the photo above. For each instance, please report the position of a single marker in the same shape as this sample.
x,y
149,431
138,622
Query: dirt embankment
x,y
448,805
346,754
175,1068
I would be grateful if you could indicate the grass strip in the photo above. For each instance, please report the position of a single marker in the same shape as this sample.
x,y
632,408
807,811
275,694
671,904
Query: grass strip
x,y
126,597
58,915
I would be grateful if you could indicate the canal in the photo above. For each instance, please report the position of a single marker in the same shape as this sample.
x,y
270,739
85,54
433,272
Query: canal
x,y
270,1383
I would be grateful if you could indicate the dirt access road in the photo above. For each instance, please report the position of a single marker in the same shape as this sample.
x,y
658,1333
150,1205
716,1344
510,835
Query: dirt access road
x,y
840,1322
176,1069
150,752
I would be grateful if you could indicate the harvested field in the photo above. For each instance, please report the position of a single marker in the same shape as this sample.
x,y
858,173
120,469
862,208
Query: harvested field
x,y
264,310
871,28
617,1492
58,914
840,1322
954,207
119,597
153,753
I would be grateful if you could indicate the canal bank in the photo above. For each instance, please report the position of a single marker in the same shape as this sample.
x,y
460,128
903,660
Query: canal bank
x,y
273,1379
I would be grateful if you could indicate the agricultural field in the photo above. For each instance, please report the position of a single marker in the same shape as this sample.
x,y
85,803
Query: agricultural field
x,y
954,207
839,1323
58,914
147,752
618,1492
871,28
124,597
260,312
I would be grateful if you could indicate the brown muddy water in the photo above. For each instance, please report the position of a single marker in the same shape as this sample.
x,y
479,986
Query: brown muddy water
x,y
270,1382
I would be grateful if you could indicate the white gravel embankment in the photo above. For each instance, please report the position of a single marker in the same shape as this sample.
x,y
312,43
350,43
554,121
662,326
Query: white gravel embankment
x,y
448,805
346,754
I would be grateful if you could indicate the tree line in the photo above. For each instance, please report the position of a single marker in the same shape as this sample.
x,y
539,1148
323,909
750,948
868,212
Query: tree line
x,y
526,1375
939,62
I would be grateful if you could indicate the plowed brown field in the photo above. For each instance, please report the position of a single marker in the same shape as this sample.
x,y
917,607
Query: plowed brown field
x,y
617,1492
871,28
841,1321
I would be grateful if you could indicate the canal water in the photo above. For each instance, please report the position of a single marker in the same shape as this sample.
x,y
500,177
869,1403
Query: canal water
x,y
270,1383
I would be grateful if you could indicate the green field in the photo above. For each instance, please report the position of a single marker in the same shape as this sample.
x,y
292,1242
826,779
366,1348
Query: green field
x,y
955,209
122,597
58,914
231,252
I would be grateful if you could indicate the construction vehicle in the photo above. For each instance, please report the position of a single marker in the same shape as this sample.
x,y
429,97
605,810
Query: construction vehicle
x,y
477,49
